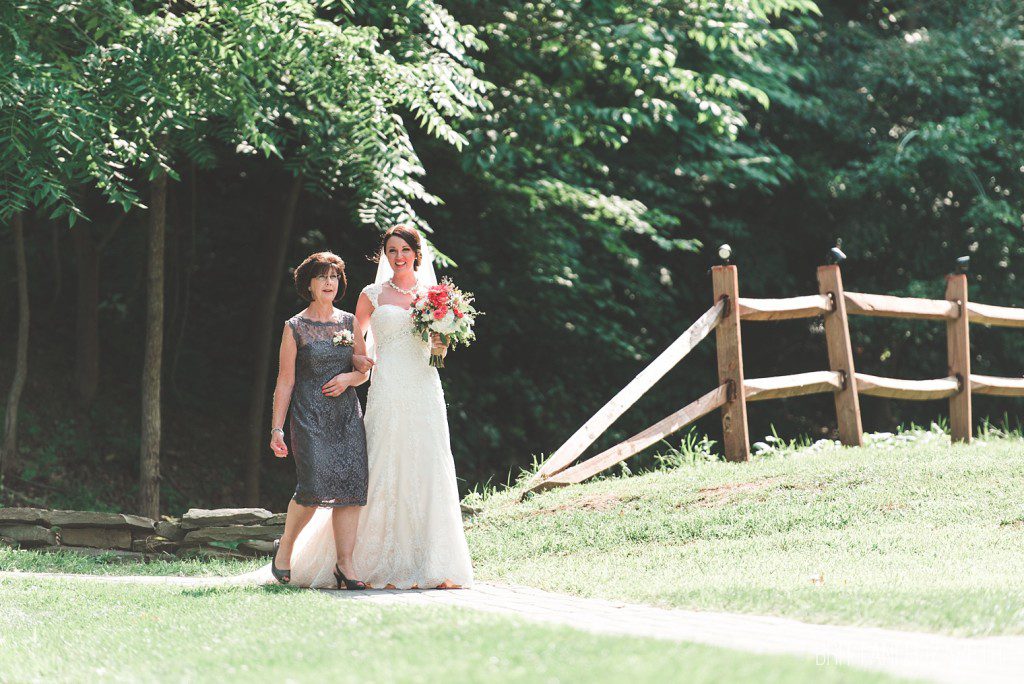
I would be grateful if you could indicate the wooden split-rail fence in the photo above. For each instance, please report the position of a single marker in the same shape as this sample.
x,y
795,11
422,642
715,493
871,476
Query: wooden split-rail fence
x,y
845,384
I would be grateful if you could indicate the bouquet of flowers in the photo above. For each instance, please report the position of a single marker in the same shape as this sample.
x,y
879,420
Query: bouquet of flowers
x,y
446,310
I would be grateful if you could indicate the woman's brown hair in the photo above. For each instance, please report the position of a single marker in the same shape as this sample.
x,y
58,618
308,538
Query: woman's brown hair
x,y
319,263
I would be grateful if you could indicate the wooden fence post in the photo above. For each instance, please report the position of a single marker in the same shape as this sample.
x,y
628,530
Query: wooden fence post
x,y
958,349
840,356
735,437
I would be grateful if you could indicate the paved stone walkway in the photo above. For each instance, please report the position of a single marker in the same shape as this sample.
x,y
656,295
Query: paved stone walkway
x,y
910,654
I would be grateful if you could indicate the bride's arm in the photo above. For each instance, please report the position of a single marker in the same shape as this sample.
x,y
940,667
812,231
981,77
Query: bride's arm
x,y
364,308
358,349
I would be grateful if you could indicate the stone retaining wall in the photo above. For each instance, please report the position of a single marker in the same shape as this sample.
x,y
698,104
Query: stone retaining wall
x,y
220,532
253,530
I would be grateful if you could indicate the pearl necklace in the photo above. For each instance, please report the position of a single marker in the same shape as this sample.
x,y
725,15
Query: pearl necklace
x,y
410,291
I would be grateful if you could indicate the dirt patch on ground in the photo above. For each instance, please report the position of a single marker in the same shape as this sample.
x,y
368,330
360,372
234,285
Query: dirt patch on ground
x,y
804,486
591,502
723,494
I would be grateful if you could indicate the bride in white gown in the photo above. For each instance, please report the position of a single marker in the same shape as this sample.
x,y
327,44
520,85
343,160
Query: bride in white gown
x,y
410,532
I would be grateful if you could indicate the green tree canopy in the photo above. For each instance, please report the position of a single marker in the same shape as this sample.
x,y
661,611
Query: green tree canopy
x,y
583,190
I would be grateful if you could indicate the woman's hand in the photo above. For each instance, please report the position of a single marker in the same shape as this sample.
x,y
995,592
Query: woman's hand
x,y
336,385
437,345
361,363
277,445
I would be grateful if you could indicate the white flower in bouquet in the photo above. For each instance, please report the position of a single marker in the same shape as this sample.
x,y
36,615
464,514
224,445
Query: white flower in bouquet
x,y
446,310
447,325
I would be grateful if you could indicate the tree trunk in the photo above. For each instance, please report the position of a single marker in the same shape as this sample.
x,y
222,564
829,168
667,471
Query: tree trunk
x,y
259,432
149,457
9,452
87,331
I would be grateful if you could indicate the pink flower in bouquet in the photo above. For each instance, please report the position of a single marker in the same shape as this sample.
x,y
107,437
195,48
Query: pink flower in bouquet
x,y
437,295
446,311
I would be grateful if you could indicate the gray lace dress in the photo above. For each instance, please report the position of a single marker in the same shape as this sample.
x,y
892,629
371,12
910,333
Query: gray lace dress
x,y
328,440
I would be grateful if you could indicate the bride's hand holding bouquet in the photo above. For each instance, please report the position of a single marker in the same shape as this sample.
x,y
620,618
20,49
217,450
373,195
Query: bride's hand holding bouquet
x,y
444,315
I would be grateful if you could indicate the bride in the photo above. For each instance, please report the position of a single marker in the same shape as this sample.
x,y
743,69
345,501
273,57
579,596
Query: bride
x,y
410,532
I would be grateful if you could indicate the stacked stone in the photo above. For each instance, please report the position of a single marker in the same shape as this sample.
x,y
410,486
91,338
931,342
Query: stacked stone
x,y
132,536
82,531
255,528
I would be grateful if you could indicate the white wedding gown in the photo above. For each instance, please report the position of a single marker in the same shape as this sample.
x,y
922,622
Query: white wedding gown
x,y
410,531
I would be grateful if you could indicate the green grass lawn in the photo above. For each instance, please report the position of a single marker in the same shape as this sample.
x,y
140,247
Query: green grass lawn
x,y
916,535
28,560
54,631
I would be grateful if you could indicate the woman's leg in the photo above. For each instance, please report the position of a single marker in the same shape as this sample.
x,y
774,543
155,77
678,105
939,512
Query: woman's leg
x,y
297,518
345,520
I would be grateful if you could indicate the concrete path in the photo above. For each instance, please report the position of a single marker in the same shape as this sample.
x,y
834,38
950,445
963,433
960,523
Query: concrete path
x,y
910,654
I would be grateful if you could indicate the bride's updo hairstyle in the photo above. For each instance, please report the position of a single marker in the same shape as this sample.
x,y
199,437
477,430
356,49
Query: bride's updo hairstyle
x,y
407,233
316,264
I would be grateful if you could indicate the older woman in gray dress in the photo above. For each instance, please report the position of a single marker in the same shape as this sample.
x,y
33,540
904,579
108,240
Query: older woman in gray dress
x,y
317,378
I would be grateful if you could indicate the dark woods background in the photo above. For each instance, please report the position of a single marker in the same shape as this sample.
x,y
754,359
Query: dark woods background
x,y
585,221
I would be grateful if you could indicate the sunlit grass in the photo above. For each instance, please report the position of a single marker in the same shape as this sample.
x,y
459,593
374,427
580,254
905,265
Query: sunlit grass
x,y
28,560
909,533
64,631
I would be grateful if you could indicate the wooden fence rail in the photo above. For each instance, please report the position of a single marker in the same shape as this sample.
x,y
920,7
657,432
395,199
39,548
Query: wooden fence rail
x,y
895,388
783,309
841,380
628,395
999,387
640,441
886,306
781,386
987,314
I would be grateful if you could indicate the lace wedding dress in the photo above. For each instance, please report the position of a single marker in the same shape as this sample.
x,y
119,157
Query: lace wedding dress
x,y
410,531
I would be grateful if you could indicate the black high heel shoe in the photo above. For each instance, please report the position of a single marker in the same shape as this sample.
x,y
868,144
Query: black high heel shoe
x,y
282,576
349,583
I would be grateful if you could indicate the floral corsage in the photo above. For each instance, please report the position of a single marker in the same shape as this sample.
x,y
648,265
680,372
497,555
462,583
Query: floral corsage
x,y
344,338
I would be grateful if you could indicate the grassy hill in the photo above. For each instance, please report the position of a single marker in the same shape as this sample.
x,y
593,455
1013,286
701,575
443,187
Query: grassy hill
x,y
908,532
